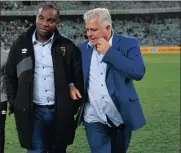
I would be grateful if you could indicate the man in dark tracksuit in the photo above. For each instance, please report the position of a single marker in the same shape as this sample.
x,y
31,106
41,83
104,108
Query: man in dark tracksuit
x,y
3,110
44,84
3,102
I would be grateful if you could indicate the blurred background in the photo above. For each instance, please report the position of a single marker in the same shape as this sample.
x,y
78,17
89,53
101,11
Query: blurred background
x,y
152,22
156,25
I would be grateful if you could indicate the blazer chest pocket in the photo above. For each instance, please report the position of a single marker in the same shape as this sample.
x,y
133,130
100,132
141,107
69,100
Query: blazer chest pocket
x,y
133,97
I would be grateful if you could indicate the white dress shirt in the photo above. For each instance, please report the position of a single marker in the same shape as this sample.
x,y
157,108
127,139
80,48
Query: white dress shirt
x,y
100,103
44,87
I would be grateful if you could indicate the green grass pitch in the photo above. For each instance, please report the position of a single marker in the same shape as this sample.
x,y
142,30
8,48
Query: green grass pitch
x,y
159,92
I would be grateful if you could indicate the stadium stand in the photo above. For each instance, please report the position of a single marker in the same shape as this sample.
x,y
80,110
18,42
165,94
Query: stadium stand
x,y
73,5
156,28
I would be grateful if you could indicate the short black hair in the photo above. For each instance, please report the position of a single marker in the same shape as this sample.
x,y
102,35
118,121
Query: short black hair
x,y
51,6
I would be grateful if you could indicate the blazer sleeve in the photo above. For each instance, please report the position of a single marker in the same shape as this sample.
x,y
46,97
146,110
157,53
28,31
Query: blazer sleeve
x,y
10,77
130,65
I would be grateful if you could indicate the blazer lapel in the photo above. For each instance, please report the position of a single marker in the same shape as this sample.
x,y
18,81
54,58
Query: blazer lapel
x,y
87,60
116,39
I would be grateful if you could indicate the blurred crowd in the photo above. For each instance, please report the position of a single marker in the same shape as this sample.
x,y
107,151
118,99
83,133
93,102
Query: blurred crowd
x,y
84,5
156,31
150,31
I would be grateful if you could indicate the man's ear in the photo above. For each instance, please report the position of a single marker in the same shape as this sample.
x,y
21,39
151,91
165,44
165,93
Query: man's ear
x,y
108,28
58,22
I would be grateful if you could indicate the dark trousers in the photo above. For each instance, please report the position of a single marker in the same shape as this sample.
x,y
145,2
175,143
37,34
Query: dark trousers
x,y
120,137
42,136
3,111
105,139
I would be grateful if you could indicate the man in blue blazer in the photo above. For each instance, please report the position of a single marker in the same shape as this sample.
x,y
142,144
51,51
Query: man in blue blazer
x,y
110,62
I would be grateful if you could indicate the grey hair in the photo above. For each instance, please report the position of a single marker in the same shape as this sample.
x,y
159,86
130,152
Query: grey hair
x,y
102,14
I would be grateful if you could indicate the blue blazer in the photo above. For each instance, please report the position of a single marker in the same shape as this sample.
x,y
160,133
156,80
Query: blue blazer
x,y
124,64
